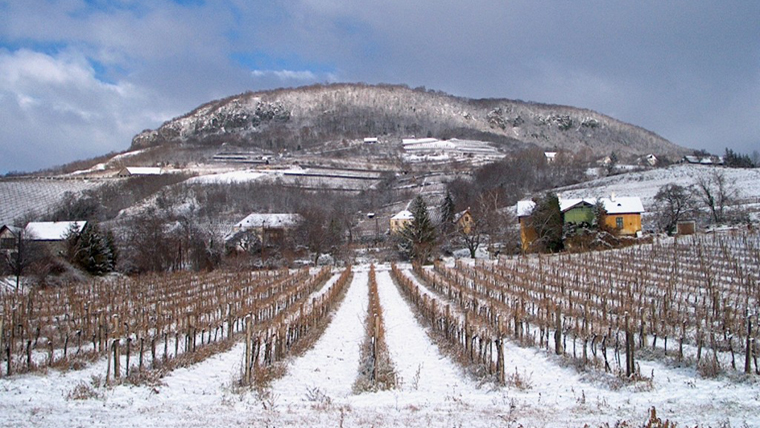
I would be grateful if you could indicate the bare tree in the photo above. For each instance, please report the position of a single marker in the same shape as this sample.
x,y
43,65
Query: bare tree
x,y
716,192
674,202
26,256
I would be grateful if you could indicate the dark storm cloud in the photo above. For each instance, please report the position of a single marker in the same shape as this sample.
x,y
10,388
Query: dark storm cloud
x,y
82,77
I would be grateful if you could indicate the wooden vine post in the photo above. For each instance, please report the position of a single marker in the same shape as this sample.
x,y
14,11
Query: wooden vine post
x,y
248,332
630,368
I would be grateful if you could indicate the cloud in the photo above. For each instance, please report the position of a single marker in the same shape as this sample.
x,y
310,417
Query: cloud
x,y
80,77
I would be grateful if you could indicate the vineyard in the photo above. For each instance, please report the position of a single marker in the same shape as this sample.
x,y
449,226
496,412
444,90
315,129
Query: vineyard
x,y
693,300
24,196
154,322
584,339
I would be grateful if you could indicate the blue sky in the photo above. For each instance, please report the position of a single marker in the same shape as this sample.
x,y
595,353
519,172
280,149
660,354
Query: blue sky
x,y
79,78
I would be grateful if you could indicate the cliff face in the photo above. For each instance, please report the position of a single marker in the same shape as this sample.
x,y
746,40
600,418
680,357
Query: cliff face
x,y
308,116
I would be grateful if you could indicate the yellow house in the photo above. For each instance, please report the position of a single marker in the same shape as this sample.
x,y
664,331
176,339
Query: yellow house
x,y
527,232
623,214
400,220
464,221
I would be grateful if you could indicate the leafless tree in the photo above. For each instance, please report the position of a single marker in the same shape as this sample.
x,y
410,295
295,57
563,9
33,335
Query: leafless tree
x,y
674,202
716,192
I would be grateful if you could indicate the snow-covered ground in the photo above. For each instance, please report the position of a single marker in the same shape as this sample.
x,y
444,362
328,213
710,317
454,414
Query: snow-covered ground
x,y
433,391
645,184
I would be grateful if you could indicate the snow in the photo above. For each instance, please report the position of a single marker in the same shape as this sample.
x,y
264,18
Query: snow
x,y
273,221
433,391
403,215
243,176
622,205
646,184
52,230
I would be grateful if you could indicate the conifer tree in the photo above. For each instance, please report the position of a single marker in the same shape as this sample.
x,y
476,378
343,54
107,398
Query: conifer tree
x,y
418,236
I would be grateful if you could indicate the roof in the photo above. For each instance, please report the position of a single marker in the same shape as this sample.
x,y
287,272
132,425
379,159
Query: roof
x,y
13,229
460,214
525,208
143,170
614,205
568,204
624,205
52,230
272,221
403,215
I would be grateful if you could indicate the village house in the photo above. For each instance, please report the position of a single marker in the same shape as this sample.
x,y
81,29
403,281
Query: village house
x,y
269,228
623,214
528,233
131,171
579,212
464,221
400,220
53,234
9,238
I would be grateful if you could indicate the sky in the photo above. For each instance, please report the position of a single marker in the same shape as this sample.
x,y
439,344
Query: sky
x,y
79,78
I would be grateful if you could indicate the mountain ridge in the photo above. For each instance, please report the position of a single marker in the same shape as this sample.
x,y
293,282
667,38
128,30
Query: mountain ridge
x,y
295,118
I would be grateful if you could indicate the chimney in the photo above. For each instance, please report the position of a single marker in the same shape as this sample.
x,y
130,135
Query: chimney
x,y
612,197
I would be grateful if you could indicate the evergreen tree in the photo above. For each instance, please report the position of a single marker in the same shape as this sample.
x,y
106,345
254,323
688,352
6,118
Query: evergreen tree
x,y
418,236
92,251
547,221
448,212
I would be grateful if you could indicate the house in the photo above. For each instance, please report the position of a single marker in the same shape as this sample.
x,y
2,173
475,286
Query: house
x,y
400,220
550,156
527,232
269,228
370,141
623,214
464,221
131,171
578,211
9,238
53,234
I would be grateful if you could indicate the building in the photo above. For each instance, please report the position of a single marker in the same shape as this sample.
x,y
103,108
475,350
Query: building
x,y
623,214
269,228
527,232
464,221
53,234
400,220
131,171
578,211
9,238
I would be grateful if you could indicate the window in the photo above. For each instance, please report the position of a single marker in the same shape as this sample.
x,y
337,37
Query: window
x,y
7,243
619,222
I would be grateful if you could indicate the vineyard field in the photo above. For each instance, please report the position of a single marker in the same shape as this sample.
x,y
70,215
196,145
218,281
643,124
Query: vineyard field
x,y
24,196
594,339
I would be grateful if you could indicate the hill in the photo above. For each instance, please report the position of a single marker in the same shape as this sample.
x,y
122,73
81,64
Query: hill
x,y
306,117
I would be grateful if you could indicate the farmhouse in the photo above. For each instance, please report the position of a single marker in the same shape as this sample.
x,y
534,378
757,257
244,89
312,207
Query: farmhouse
x,y
464,221
269,228
623,214
9,238
527,232
400,220
53,234
577,211
131,171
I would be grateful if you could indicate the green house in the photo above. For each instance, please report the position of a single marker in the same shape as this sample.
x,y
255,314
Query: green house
x,y
577,211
